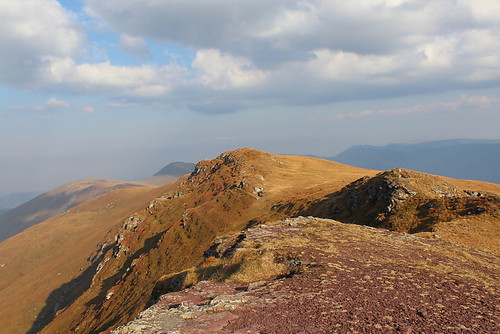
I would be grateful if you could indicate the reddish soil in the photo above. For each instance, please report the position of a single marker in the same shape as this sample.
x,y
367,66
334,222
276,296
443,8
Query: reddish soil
x,y
352,279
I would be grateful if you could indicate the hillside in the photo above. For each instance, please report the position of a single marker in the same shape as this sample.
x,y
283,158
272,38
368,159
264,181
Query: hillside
x,y
459,158
175,235
52,254
55,202
413,202
222,195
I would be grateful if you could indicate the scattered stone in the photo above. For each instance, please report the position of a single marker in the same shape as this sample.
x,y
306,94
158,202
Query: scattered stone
x,y
371,281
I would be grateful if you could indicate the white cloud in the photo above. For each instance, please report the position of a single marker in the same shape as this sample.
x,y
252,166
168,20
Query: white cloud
x,y
221,71
255,52
317,51
462,103
348,66
50,104
484,10
131,81
136,46
88,109
30,31
480,101
55,103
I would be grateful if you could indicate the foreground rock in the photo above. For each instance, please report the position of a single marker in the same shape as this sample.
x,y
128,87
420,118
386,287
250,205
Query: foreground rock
x,y
329,277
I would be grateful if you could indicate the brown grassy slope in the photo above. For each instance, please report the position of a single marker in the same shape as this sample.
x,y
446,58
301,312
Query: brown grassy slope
x,y
45,256
223,195
55,202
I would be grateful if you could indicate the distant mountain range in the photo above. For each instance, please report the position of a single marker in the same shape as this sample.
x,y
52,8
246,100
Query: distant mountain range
x,y
10,201
471,159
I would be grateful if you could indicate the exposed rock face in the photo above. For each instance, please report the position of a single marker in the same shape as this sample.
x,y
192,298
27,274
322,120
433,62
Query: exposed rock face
x,y
405,201
352,279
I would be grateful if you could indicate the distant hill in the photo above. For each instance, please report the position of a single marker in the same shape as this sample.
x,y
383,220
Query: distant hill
x,y
22,210
458,158
10,201
177,168
55,202
48,255
170,173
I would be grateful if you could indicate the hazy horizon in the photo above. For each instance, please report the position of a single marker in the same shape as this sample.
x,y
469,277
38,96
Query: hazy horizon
x,y
118,89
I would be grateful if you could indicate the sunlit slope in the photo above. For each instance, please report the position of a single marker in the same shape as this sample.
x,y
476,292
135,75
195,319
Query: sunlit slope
x,y
54,202
40,259
226,194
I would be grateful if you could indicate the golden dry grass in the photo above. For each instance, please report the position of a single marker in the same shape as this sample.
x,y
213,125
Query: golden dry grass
x,y
45,256
481,232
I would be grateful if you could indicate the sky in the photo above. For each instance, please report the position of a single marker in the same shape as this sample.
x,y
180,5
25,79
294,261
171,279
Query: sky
x,y
120,88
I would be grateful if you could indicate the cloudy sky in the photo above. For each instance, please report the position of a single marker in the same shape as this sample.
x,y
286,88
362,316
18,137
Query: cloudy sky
x,y
119,88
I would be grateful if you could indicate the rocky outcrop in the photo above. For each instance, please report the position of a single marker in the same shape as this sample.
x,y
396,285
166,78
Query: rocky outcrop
x,y
352,279
405,201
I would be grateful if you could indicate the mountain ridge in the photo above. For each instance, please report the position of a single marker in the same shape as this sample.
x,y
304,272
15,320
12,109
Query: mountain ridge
x,y
175,230
40,207
222,195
